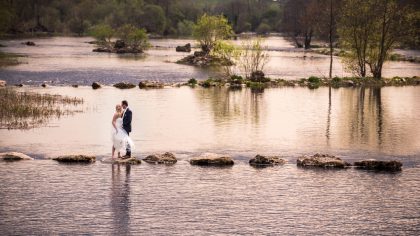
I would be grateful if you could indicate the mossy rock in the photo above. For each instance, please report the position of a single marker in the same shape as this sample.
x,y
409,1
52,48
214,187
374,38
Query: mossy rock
x,y
75,159
322,160
123,85
378,165
165,158
264,161
210,159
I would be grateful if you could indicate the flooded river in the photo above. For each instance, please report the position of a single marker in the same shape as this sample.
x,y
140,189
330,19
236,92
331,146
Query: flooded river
x,y
42,197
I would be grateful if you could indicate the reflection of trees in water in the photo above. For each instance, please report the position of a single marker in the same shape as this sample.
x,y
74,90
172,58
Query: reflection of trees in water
x,y
120,200
232,105
363,112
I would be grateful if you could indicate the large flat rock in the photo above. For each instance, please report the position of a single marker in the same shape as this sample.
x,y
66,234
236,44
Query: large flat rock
x,y
14,156
75,159
163,158
211,159
322,160
378,165
263,161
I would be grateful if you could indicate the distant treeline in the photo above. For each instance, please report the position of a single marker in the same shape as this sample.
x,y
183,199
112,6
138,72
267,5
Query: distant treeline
x,y
299,19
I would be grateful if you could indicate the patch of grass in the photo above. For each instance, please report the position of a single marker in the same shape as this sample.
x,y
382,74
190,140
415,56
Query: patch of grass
x,y
9,59
25,110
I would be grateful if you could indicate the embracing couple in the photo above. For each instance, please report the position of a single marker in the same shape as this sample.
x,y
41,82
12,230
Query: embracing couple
x,y
121,122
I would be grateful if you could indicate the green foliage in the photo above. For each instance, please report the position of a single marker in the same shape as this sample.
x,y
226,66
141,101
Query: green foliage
x,y
192,81
236,79
185,28
209,30
103,33
153,19
263,28
314,80
369,30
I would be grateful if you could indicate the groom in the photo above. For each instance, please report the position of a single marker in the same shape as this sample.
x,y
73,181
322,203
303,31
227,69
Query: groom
x,y
127,116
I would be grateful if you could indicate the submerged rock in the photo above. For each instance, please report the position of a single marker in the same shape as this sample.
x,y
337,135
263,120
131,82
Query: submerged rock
x,y
123,85
185,48
378,165
259,160
150,84
211,159
165,158
29,43
76,159
96,85
102,50
321,160
14,156
129,161
75,85
3,83
44,85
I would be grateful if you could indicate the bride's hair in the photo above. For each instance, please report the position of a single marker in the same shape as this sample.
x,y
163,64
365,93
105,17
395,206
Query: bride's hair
x,y
118,107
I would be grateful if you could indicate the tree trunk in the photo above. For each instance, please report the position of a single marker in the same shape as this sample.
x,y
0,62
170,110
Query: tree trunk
x,y
308,38
331,38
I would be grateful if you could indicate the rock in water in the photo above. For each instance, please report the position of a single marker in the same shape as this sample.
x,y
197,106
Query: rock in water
x,y
96,85
14,156
123,85
259,160
165,158
129,161
2,83
211,159
29,43
119,44
185,48
150,84
76,159
321,160
378,165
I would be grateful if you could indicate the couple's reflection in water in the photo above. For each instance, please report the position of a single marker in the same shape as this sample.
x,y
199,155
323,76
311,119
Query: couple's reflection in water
x,y
120,199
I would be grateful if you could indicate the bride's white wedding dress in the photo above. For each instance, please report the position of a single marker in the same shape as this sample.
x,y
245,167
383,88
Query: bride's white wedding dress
x,y
120,138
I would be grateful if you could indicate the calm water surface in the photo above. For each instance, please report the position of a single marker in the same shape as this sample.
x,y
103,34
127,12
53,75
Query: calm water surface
x,y
43,197
62,60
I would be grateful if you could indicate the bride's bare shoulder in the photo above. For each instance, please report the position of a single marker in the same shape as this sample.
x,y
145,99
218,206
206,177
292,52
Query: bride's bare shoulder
x,y
116,115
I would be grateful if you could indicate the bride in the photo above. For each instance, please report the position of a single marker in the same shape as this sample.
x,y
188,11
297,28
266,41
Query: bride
x,y
120,138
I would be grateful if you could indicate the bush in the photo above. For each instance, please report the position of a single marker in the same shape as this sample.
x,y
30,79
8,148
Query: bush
x,y
314,80
192,81
236,79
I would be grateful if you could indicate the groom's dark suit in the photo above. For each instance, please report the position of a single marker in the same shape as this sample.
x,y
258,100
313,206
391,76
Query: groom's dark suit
x,y
128,115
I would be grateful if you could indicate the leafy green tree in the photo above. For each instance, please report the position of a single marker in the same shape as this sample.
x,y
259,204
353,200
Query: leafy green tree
x,y
103,33
209,30
227,52
370,29
138,40
153,19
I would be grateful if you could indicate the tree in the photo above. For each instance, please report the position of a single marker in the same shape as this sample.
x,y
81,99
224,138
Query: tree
x,y
229,53
300,19
209,30
253,57
137,40
103,33
153,19
369,29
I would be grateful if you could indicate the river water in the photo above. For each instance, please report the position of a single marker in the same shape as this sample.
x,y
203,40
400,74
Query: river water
x,y
43,197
